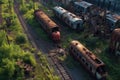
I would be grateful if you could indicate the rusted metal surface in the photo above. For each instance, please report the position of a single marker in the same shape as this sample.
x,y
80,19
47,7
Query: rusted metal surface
x,y
115,41
46,20
86,53
88,59
48,25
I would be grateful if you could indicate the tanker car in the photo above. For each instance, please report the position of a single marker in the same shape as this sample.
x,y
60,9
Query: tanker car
x,y
48,25
69,18
93,64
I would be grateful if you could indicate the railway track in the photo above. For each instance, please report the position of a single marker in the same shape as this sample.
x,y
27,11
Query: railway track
x,y
64,75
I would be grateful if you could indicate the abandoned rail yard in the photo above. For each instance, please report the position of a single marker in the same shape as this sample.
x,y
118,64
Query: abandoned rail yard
x,y
59,39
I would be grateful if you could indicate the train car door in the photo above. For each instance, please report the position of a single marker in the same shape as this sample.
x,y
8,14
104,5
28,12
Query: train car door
x,y
79,25
100,71
117,48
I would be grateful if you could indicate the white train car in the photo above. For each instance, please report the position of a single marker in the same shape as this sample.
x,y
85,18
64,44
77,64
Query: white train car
x,y
69,18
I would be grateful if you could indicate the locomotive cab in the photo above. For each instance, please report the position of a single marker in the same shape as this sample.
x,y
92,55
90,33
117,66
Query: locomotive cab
x,y
100,73
55,34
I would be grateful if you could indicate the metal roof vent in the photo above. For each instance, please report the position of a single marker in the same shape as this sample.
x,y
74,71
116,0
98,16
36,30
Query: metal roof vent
x,y
76,43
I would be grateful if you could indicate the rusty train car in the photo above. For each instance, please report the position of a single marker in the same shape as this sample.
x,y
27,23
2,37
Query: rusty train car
x,y
93,64
48,25
69,18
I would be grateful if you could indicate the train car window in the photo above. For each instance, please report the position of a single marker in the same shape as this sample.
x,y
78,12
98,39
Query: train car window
x,y
68,21
83,60
65,19
74,51
117,24
71,24
71,48
79,56
78,25
86,64
84,49
97,61
60,16
118,48
90,68
101,69
78,8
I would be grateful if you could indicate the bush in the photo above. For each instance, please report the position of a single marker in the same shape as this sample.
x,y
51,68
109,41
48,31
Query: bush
x,y
20,39
23,9
29,59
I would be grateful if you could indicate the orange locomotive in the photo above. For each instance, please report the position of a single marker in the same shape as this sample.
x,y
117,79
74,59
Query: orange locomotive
x,y
48,25
94,65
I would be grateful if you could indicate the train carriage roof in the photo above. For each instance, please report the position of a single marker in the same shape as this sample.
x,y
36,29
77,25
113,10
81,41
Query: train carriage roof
x,y
72,17
83,4
87,54
41,15
113,17
59,9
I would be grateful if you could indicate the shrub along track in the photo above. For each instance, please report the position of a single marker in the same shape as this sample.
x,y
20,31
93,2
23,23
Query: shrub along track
x,y
42,46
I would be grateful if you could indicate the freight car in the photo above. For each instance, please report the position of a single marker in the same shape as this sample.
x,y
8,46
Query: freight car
x,y
48,25
94,65
82,7
113,21
70,19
